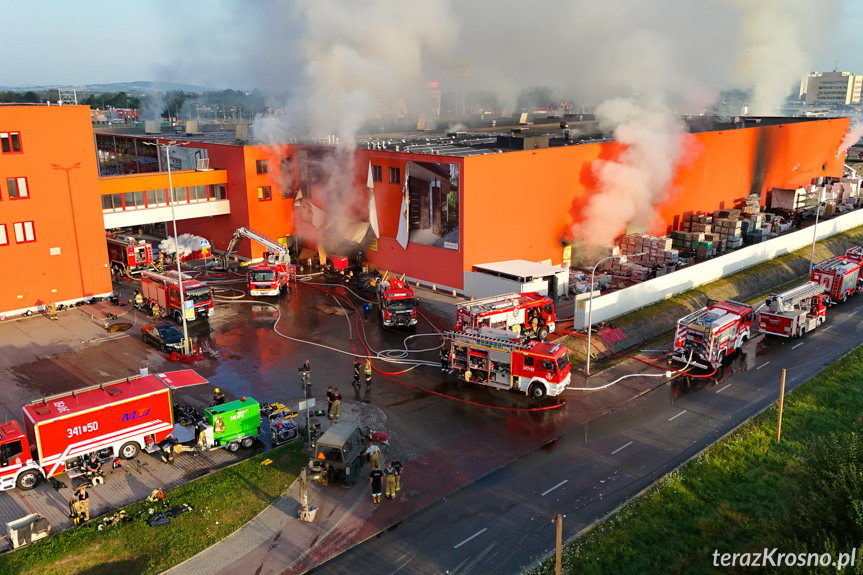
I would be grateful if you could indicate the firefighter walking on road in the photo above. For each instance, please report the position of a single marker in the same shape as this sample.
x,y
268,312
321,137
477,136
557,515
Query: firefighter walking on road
x,y
337,405
368,373
331,397
157,312
306,373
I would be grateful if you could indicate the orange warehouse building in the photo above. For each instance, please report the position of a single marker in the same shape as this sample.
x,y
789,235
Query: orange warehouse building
x,y
485,196
52,242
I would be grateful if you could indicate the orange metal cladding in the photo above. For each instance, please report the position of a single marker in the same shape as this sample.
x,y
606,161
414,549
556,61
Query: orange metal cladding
x,y
159,181
515,205
273,217
66,211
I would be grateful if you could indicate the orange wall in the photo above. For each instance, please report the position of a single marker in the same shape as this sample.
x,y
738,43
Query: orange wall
x,y
518,204
62,136
159,181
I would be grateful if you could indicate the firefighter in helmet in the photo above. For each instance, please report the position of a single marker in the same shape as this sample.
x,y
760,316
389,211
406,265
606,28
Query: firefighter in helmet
x,y
139,299
157,312
368,372
218,397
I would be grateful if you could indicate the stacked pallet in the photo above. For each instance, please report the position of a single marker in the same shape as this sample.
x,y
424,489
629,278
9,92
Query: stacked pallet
x,y
657,251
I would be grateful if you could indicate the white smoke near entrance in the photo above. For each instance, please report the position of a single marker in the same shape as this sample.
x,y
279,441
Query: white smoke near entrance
x,y
852,136
630,186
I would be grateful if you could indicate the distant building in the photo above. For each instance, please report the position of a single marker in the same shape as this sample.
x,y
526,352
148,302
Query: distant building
x,y
832,88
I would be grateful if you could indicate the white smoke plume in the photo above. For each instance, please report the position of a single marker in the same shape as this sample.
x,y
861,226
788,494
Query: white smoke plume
x,y
779,41
852,136
630,186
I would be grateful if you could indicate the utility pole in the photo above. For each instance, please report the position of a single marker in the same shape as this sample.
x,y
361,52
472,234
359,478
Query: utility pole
x,y
558,547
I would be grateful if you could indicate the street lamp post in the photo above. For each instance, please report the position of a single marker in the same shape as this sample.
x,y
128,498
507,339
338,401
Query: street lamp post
x,y
815,232
172,199
74,166
590,305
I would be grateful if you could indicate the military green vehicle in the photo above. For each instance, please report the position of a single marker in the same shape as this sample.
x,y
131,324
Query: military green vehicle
x,y
337,454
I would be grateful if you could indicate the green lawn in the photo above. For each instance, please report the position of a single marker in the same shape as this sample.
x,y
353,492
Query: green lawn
x,y
748,492
223,501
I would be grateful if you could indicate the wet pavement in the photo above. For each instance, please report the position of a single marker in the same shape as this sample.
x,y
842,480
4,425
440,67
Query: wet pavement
x,y
448,434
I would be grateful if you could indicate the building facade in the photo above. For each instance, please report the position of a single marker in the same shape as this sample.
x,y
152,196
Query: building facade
x,y
833,88
52,241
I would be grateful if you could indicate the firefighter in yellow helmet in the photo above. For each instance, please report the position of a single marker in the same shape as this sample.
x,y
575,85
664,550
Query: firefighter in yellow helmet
x,y
368,372
218,397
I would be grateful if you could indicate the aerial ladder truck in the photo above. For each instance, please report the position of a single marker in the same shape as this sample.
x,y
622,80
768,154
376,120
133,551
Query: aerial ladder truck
x,y
274,274
794,312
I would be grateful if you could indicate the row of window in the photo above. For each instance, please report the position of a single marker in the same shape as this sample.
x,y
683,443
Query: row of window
x,y
157,198
263,167
10,142
17,188
24,233
395,174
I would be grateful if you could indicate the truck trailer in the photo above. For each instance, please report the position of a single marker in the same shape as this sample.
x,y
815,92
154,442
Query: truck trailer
x,y
116,419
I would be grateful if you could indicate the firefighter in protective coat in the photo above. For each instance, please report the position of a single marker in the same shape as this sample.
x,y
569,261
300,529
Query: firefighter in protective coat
x,y
368,373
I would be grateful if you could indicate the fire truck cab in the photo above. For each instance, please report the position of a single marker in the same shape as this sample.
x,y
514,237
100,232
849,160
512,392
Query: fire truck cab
x,y
129,255
397,302
530,314
499,358
164,289
705,337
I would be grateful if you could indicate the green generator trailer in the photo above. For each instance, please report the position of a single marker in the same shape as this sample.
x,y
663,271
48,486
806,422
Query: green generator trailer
x,y
231,425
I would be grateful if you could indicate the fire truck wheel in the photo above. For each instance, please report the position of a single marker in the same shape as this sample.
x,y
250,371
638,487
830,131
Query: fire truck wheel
x,y
543,333
536,390
233,446
248,442
129,450
28,480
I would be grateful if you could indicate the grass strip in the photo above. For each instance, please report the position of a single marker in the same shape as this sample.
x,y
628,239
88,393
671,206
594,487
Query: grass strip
x,y
222,502
747,492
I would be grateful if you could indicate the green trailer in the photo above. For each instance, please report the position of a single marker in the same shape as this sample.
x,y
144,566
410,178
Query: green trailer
x,y
231,425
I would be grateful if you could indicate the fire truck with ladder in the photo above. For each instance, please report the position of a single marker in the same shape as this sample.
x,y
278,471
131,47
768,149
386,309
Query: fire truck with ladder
x,y
272,276
530,314
128,255
164,289
794,312
705,337
501,359
840,275
397,302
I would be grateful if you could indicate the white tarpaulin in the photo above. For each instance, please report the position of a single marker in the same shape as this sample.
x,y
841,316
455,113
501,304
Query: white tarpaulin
x,y
351,230
373,210
402,236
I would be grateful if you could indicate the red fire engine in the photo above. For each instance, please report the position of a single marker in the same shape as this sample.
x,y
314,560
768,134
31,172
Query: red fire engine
x,y
530,314
705,337
840,276
274,274
113,419
794,312
129,255
498,358
397,302
164,289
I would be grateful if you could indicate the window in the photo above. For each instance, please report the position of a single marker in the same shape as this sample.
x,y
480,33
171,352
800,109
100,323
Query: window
x,y
265,194
24,232
377,173
395,175
4,239
262,166
17,188
548,365
220,192
10,452
198,193
528,361
10,142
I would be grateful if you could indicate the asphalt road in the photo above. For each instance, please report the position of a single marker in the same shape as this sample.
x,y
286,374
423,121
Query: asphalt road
x,y
503,523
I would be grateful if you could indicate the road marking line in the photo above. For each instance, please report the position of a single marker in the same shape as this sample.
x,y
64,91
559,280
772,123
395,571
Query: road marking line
x,y
798,345
622,448
553,488
480,532
724,388
678,415
762,365
853,312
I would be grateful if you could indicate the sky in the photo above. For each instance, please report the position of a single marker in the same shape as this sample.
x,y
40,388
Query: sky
x,y
243,45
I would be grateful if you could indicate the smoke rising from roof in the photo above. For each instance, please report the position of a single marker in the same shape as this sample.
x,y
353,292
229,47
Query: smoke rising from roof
x,y
852,136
